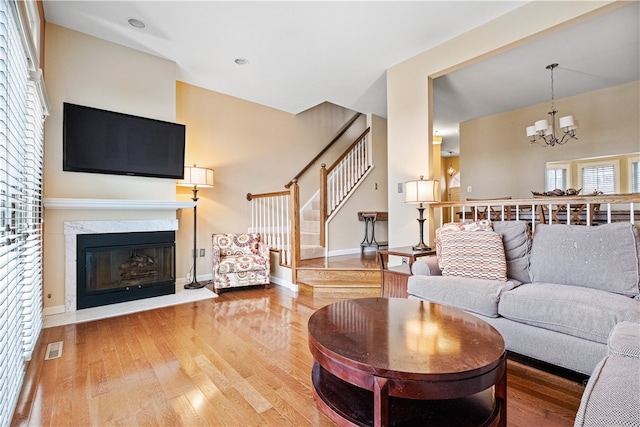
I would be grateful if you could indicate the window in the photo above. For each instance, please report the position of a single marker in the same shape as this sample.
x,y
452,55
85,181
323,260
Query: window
x,y
21,134
634,170
599,176
557,176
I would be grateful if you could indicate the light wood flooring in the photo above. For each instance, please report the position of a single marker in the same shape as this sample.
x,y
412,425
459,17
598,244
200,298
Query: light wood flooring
x,y
238,360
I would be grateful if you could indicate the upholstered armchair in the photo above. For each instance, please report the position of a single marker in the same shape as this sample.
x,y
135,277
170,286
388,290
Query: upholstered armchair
x,y
239,259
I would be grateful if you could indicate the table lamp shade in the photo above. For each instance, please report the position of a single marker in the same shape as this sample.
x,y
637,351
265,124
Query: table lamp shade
x,y
197,177
421,191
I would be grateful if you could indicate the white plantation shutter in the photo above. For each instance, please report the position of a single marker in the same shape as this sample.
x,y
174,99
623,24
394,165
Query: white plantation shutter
x,y
635,176
556,178
600,177
21,136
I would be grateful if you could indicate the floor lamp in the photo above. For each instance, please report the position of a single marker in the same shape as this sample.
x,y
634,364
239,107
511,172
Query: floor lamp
x,y
196,177
421,191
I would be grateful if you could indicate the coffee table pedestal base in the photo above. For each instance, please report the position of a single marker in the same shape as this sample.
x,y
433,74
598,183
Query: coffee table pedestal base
x,y
350,405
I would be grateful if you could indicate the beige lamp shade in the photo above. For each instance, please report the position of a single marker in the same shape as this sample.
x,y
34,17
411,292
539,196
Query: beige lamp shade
x,y
421,191
197,177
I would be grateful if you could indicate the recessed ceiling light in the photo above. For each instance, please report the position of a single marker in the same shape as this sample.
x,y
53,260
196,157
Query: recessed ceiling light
x,y
241,61
136,23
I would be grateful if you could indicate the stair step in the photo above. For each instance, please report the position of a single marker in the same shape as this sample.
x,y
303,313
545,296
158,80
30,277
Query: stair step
x,y
311,251
353,290
339,276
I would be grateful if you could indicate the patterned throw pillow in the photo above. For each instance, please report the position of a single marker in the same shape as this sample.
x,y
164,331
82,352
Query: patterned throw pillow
x,y
482,225
477,255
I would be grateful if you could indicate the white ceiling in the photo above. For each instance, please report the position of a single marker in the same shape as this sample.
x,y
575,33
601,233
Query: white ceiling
x,y
303,53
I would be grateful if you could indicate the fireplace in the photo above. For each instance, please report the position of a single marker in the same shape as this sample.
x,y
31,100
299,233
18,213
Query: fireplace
x,y
119,267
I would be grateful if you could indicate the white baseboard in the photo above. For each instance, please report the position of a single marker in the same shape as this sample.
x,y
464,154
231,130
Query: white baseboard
x,y
284,283
57,309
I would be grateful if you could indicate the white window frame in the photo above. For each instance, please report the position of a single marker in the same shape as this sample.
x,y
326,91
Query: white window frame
x,y
616,171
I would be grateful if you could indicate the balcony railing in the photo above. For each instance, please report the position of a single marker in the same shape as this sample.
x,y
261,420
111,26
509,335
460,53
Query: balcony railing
x,y
582,210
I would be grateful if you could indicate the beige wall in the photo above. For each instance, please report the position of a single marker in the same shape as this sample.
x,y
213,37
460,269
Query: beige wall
x,y
85,70
608,123
256,149
409,99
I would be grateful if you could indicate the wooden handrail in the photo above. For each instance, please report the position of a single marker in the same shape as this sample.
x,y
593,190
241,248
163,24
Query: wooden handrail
x,y
264,195
346,152
341,132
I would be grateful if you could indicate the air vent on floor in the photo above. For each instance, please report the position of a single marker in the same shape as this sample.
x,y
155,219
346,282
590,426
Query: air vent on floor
x,y
54,350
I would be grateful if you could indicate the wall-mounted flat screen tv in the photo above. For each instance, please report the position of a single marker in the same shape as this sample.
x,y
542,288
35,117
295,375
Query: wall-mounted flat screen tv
x,y
100,141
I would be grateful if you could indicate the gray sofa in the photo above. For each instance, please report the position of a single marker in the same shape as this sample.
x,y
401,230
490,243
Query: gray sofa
x,y
567,288
612,395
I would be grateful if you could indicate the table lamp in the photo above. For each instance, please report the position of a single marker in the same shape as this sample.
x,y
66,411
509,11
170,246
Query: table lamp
x,y
421,191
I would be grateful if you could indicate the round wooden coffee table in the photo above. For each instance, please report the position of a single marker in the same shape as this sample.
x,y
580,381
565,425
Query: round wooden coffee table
x,y
394,361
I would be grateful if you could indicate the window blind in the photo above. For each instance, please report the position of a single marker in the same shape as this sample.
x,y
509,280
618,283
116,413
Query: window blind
x,y
601,178
635,177
21,157
556,178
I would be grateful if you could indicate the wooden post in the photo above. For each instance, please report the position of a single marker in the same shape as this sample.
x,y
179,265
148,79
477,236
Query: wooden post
x,y
295,229
323,202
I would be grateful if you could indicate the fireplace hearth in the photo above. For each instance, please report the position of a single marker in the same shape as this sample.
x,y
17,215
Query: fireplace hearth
x,y
119,267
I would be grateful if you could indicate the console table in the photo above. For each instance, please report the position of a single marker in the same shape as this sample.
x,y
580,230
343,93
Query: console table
x,y
370,219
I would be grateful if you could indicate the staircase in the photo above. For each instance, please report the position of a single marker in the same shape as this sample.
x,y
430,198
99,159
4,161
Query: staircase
x,y
310,230
299,234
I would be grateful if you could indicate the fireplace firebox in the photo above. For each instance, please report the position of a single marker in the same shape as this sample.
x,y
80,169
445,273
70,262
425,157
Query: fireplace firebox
x,y
119,267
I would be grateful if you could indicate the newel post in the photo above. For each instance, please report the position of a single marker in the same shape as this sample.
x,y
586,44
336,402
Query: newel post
x,y
323,202
294,192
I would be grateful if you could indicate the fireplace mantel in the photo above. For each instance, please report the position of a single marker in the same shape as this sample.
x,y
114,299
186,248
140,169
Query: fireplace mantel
x,y
115,204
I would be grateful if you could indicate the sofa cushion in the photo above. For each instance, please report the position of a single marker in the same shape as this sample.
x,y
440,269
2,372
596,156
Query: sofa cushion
x,y
482,225
476,255
476,295
517,245
603,257
582,312
612,395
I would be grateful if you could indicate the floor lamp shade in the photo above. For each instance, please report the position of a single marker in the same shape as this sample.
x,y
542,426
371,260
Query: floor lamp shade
x,y
421,191
196,177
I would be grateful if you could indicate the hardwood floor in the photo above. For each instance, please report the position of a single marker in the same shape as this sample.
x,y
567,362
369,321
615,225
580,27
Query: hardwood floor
x,y
237,360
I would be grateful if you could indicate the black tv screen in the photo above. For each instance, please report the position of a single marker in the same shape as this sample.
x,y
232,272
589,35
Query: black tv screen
x,y
100,141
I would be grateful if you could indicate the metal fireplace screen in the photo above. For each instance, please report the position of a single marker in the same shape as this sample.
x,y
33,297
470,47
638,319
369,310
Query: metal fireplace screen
x,y
122,267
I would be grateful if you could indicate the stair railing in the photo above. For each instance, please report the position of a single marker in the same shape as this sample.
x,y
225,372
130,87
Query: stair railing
x,y
339,179
276,216
335,139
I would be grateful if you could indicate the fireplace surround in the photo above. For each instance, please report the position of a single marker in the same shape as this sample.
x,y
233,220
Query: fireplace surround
x,y
72,229
119,267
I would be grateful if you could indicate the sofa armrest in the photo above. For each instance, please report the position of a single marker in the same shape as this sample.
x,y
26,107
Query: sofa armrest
x,y
426,266
625,340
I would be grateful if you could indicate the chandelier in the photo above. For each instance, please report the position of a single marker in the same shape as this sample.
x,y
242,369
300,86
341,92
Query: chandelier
x,y
544,133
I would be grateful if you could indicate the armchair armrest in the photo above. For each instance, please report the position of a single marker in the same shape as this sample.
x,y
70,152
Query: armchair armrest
x,y
264,250
215,256
426,266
